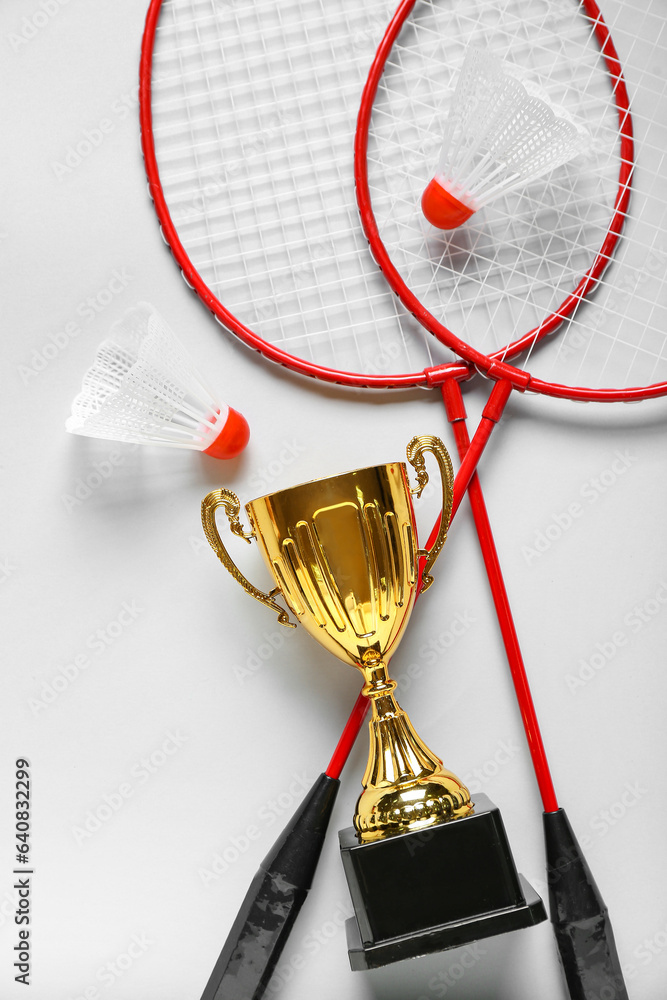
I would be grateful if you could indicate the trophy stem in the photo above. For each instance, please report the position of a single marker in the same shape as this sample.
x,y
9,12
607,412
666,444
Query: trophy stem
x,y
405,784
397,752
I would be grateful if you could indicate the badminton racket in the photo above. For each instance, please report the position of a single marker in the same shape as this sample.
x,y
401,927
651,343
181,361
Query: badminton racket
x,y
247,115
421,268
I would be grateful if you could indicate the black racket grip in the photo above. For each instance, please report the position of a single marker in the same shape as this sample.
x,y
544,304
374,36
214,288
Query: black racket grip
x,y
272,903
579,916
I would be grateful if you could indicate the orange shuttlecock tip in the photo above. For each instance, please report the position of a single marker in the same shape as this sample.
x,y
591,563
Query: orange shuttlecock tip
x,y
233,437
442,209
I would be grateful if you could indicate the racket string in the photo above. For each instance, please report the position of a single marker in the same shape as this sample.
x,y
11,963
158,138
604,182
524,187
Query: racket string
x,y
265,211
571,210
392,203
259,181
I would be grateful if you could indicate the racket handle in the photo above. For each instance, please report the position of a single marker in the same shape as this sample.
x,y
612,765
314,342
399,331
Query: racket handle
x,y
272,903
579,916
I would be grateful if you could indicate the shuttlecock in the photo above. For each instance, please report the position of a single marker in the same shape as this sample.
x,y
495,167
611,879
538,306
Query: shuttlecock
x,y
499,135
143,388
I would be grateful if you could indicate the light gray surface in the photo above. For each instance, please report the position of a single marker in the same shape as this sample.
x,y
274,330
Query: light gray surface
x,y
180,673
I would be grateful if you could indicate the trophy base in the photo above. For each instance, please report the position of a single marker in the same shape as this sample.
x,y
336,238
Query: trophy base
x,y
438,888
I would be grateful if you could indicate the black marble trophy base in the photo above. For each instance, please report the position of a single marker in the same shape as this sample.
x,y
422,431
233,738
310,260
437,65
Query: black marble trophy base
x,y
439,888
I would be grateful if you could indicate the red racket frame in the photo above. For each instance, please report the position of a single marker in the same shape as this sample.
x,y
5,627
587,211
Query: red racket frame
x,y
428,377
492,365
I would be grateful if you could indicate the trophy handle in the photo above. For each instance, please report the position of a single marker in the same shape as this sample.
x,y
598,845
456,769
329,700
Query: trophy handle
x,y
232,506
415,452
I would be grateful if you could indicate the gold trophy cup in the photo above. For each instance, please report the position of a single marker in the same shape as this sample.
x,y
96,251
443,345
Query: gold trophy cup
x,y
343,554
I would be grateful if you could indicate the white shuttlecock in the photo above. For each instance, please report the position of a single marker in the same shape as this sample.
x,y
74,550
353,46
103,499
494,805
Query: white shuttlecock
x,y
143,388
498,137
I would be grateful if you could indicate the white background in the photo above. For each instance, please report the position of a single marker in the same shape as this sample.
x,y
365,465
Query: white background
x,y
179,672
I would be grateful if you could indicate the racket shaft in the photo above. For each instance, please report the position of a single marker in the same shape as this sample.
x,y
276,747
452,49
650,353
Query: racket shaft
x,y
348,736
453,400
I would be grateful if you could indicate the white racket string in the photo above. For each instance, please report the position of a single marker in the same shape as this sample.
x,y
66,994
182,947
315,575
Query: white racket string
x,y
254,110
512,264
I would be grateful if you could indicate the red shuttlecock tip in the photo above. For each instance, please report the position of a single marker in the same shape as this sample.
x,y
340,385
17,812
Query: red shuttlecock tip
x,y
233,437
442,209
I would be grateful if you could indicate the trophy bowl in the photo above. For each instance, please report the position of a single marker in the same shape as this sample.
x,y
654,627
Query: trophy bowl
x,y
344,556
